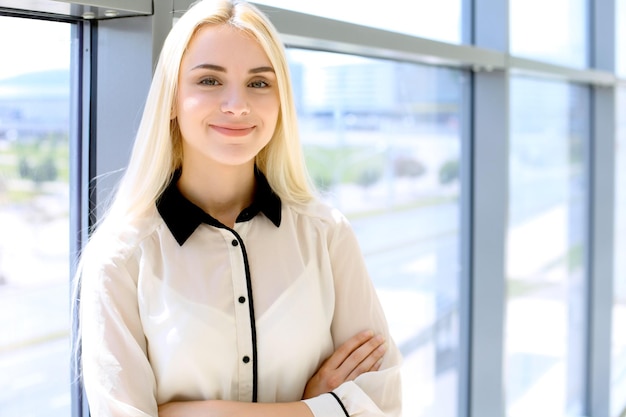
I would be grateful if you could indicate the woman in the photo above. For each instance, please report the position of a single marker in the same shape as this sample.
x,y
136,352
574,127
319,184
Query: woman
x,y
216,284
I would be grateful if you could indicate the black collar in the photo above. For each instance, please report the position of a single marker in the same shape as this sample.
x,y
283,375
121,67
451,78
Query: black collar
x,y
182,217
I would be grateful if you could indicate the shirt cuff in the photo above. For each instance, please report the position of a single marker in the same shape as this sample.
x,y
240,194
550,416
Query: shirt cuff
x,y
326,405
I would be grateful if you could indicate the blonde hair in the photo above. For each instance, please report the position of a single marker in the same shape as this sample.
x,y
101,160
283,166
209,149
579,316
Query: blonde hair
x,y
157,152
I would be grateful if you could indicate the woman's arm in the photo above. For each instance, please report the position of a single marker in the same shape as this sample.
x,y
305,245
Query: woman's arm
x,y
216,408
357,307
116,373
359,354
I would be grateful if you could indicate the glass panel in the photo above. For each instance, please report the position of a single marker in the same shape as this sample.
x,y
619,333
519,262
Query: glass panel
x,y
620,37
618,366
382,141
546,267
440,20
34,207
554,31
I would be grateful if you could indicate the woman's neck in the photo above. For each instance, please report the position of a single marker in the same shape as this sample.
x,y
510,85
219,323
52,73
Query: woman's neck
x,y
221,192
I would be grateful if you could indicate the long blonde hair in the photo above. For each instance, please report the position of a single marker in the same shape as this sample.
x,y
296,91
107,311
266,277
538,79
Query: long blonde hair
x,y
157,152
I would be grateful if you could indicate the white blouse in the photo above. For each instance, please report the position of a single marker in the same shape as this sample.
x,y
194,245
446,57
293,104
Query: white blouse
x,y
181,307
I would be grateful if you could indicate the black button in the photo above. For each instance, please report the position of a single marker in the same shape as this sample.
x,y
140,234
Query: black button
x,y
235,242
242,300
246,359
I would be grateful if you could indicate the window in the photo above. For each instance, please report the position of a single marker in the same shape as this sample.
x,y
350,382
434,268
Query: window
x,y
546,246
553,31
440,20
620,37
618,366
382,141
34,211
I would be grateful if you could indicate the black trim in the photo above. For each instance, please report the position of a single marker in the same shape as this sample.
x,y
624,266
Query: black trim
x,y
340,403
252,318
182,217
92,141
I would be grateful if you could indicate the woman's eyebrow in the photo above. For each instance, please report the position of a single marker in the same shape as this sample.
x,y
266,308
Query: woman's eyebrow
x,y
219,68
210,67
261,69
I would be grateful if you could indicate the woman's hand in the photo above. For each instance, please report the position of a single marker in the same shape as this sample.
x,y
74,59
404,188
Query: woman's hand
x,y
361,353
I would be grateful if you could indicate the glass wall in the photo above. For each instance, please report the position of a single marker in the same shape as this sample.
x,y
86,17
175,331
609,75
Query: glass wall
x,y
554,31
34,207
618,368
546,246
620,37
441,20
382,141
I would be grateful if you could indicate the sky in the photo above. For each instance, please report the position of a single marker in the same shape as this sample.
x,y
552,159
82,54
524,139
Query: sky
x,y
28,45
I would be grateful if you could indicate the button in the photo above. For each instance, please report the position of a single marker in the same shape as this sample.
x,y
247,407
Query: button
x,y
242,300
246,359
235,242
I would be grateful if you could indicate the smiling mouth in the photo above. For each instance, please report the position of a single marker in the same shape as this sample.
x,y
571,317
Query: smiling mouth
x,y
233,131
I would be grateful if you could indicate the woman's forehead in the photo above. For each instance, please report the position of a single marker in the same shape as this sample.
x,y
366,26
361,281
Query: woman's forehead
x,y
224,44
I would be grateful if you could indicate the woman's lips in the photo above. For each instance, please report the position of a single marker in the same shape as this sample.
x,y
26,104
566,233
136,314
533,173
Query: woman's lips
x,y
233,130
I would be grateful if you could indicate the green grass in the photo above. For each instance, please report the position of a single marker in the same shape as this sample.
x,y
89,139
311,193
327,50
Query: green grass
x,y
351,164
32,161
21,196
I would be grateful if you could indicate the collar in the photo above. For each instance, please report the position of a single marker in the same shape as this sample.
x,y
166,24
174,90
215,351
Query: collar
x,y
182,217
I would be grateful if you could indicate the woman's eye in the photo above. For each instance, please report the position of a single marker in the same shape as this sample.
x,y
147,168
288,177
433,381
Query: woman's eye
x,y
209,81
259,84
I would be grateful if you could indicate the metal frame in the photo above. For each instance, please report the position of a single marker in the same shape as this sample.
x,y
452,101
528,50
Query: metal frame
x,y
77,10
136,6
488,52
127,51
489,215
79,182
601,251
601,210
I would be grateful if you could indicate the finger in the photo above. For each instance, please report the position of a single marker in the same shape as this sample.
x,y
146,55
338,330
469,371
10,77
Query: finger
x,y
371,363
347,348
361,353
378,364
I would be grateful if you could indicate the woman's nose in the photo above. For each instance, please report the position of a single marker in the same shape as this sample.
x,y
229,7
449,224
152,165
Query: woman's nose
x,y
235,102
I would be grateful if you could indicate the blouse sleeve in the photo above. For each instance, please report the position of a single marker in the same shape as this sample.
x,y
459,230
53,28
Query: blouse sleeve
x,y
117,376
357,308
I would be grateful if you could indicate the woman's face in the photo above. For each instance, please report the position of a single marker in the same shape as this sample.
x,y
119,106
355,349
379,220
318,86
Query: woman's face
x,y
227,102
